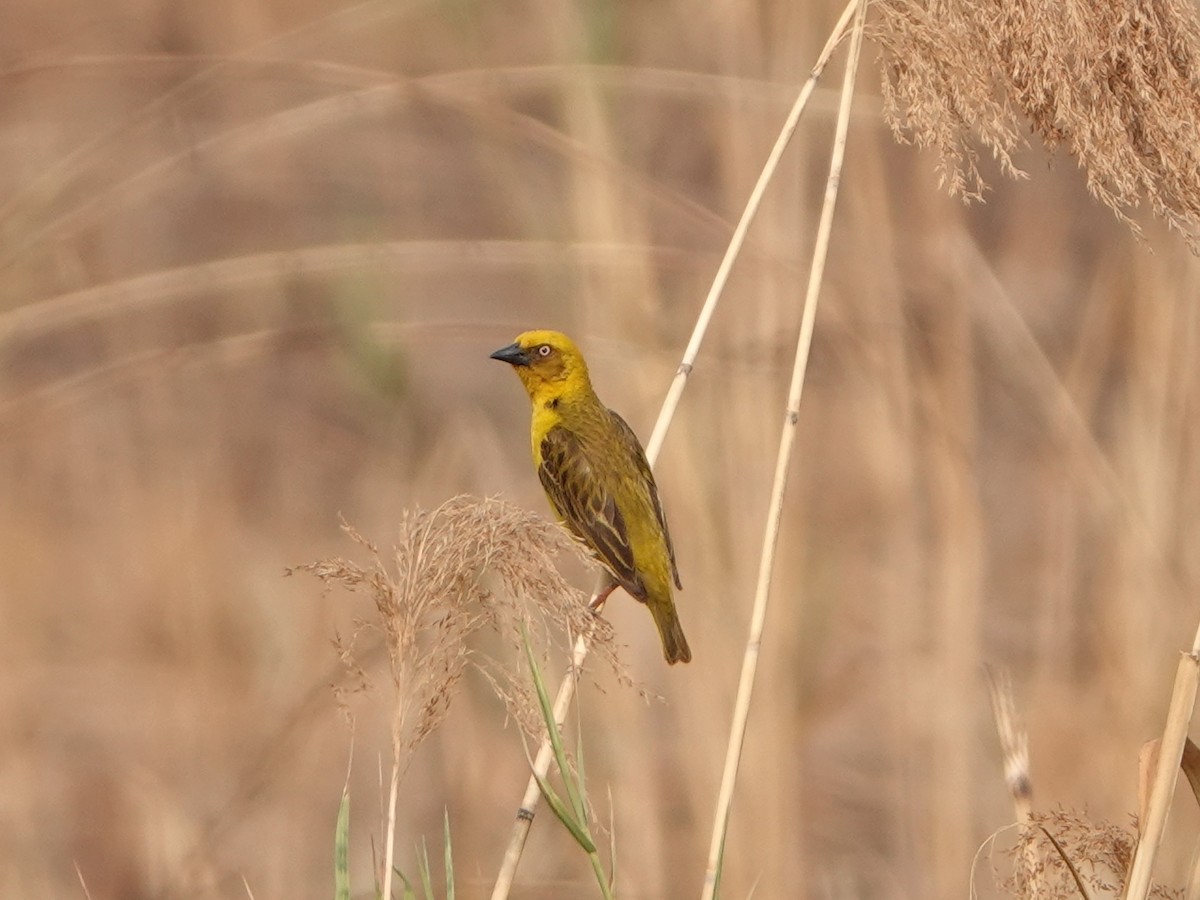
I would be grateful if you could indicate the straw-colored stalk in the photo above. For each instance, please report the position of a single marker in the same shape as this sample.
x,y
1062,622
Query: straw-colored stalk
x,y
566,690
389,849
1179,716
787,438
739,234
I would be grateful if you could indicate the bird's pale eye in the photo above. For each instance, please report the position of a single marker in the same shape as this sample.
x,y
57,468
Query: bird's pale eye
x,y
543,351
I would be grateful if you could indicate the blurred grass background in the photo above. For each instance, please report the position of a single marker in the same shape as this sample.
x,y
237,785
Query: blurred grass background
x,y
252,260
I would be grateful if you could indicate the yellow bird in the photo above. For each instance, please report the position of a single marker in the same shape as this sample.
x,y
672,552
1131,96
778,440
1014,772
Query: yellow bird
x,y
597,478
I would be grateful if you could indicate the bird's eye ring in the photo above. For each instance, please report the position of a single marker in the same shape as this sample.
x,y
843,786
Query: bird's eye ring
x,y
543,350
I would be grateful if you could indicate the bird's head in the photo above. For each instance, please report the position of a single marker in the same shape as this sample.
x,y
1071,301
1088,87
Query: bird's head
x,y
547,362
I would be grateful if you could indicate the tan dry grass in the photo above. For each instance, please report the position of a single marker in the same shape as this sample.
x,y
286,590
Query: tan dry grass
x,y
432,593
167,720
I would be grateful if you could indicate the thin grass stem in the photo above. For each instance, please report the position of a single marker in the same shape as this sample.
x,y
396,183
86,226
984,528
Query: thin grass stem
x,y
787,439
389,847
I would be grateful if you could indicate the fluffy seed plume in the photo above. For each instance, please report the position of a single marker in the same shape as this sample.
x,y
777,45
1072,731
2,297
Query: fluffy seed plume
x,y
467,564
1115,84
1075,852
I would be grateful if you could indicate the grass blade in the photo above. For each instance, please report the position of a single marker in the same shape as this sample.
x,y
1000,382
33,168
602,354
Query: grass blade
x,y
341,849
423,869
409,893
560,755
580,774
564,815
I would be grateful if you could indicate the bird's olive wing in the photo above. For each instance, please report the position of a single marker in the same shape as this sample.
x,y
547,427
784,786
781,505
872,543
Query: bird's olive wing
x,y
633,448
588,509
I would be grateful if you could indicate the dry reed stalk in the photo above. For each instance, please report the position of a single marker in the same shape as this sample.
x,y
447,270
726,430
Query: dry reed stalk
x,y
739,235
566,690
787,439
1179,717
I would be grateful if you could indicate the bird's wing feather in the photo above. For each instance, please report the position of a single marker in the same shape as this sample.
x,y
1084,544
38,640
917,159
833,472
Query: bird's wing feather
x,y
634,448
587,507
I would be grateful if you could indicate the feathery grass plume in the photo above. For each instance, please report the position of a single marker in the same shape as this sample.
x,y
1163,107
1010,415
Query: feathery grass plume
x,y
437,596
1116,84
1075,857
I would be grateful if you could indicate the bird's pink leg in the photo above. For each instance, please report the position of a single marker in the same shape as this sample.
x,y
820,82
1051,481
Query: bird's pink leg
x,y
597,602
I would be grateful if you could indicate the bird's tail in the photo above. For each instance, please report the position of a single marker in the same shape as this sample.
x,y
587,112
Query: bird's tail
x,y
674,644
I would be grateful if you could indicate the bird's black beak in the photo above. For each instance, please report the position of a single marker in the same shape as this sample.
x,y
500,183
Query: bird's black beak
x,y
513,354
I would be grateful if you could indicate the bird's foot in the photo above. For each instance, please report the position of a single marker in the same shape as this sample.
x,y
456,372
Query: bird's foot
x,y
597,601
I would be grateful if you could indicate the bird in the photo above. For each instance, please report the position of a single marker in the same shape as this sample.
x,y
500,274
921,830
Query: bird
x,y
598,480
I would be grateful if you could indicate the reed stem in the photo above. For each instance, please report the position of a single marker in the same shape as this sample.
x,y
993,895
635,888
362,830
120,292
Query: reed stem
x,y
787,438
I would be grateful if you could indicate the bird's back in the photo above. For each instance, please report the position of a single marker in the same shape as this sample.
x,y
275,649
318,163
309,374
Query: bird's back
x,y
598,480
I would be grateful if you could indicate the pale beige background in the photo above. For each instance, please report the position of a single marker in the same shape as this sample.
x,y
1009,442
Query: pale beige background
x,y
253,257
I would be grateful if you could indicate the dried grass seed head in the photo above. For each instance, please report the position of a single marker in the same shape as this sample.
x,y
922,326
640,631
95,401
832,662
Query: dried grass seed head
x,y
435,596
1116,84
